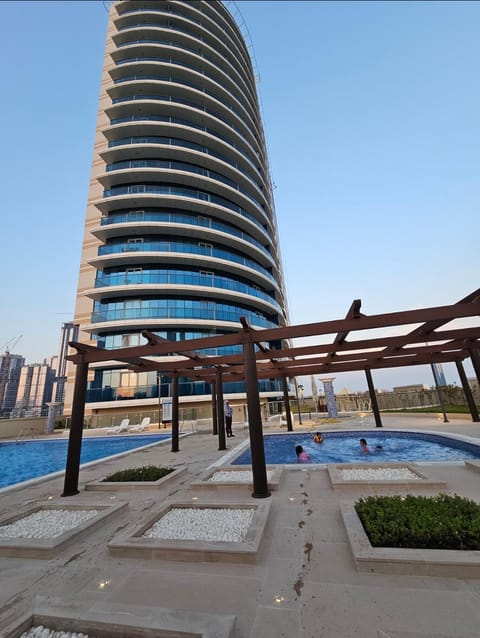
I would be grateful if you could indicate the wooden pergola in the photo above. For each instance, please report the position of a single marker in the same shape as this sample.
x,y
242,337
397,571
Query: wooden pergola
x,y
426,343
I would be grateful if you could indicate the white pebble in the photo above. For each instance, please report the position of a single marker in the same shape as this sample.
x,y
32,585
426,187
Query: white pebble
x,y
45,632
379,474
241,476
203,524
46,523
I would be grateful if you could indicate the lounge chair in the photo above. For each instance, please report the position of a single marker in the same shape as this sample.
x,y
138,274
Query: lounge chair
x,y
144,425
123,427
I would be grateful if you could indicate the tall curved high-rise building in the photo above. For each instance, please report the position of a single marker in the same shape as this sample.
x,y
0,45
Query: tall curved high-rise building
x,y
180,233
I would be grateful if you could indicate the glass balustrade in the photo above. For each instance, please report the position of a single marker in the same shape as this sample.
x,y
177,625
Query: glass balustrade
x,y
176,65
180,278
176,100
176,309
181,191
177,29
135,217
182,82
181,166
182,247
185,388
175,120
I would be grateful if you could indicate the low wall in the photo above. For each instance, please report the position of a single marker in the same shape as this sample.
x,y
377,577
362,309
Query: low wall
x,y
11,428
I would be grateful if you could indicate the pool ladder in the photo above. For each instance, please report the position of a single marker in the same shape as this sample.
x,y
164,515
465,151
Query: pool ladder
x,y
23,434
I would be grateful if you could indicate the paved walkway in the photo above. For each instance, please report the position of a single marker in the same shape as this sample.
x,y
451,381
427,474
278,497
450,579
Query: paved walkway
x,y
305,583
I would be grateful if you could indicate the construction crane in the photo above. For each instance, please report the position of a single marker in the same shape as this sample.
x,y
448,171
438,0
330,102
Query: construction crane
x,y
5,367
6,345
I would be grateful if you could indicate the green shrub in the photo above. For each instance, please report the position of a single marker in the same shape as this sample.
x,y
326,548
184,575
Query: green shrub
x,y
145,473
439,522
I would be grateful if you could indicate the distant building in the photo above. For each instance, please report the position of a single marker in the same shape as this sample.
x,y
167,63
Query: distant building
x,y
10,368
415,387
69,333
34,390
439,374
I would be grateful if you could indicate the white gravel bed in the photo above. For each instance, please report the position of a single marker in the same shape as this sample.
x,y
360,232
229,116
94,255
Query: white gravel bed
x,y
379,474
242,476
203,524
44,632
46,523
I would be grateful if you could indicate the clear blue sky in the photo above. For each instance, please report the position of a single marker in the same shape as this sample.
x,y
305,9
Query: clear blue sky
x,y
371,113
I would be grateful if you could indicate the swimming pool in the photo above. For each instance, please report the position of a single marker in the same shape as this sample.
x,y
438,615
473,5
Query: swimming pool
x,y
343,447
31,459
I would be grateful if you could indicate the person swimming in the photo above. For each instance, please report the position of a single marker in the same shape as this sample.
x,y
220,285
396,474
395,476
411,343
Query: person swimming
x,y
302,457
364,446
318,438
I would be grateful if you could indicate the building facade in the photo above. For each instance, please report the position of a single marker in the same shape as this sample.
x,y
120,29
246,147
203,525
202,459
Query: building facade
x,y
69,333
180,233
34,389
10,369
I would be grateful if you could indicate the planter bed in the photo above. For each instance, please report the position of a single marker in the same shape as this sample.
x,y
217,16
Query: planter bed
x,y
28,532
238,477
100,619
380,475
143,541
394,560
108,486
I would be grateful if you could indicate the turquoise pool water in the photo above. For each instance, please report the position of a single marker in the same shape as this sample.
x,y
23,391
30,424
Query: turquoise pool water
x,y
31,459
344,447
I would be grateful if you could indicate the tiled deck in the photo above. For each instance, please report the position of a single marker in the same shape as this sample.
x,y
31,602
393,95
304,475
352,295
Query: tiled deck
x,y
304,583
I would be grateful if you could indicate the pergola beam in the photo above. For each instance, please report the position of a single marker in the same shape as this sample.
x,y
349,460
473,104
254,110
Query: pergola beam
x,y
353,313
440,313
461,334
452,351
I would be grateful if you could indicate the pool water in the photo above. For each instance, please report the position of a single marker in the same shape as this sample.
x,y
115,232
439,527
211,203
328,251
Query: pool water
x,y
344,447
31,459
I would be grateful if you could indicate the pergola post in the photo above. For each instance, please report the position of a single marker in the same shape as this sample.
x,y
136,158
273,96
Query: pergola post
x,y
72,467
175,446
373,399
257,450
286,403
213,385
467,391
222,445
475,359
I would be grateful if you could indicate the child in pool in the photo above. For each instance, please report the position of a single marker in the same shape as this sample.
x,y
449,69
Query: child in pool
x,y
302,457
318,438
364,446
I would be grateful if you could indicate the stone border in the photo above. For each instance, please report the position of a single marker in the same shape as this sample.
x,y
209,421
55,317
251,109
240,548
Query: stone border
x,y
114,620
131,543
473,465
49,547
110,486
203,481
337,481
448,563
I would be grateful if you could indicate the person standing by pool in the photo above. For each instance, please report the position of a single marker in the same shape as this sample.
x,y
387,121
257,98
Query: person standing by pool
x,y
228,411
364,446
302,457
